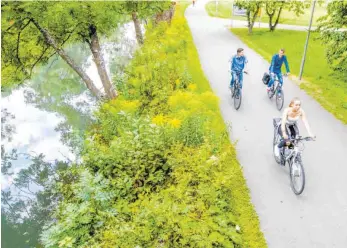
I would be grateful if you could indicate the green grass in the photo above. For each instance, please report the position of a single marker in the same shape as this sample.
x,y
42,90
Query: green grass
x,y
287,17
326,86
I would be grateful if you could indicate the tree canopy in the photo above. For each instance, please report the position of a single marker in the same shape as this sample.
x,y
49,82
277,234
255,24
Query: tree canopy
x,y
333,33
32,32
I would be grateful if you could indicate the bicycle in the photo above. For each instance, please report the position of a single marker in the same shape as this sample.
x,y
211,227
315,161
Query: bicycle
x,y
276,88
236,91
292,156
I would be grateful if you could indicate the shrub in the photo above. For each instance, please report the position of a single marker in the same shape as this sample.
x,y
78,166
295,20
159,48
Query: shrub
x,y
167,166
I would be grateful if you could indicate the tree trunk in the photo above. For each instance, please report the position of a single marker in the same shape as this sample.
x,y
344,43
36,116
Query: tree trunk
x,y
250,30
278,18
255,15
100,63
165,15
271,14
171,13
50,40
250,27
270,22
251,17
136,21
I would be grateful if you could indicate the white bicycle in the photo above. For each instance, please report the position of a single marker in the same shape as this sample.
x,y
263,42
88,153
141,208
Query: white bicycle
x,y
292,156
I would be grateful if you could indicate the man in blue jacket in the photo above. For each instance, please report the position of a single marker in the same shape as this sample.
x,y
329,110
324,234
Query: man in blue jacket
x,y
275,67
238,64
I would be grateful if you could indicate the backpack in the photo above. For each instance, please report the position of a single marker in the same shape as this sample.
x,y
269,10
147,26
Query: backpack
x,y
266,78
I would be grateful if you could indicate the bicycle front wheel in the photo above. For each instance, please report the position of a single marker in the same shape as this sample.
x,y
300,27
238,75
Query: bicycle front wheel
x,y
237,98
279,99
297,176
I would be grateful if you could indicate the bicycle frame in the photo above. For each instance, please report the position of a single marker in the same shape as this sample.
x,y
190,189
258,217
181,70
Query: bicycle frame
x,y
293,154
237,79
278,85
236,83
276,90
296,150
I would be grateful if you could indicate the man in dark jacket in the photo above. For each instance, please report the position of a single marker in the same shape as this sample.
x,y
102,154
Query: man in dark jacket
x,y
238,65
275,67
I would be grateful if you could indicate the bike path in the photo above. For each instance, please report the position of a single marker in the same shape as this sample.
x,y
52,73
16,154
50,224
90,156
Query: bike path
x,y
318,217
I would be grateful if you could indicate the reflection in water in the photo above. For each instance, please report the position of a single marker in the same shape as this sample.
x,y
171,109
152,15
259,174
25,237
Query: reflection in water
x,y
51,113
55,96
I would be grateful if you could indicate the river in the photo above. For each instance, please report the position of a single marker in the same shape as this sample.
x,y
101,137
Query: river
x,y
54,96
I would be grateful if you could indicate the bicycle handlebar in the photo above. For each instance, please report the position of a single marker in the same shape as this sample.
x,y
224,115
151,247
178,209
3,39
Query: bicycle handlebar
x,y
246,72
285,74
308,138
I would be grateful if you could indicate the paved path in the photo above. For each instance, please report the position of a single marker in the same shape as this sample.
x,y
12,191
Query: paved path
x,y
317,218
240,23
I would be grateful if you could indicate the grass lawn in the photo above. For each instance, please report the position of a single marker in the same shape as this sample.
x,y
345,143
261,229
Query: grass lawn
x,y
326,86
224,11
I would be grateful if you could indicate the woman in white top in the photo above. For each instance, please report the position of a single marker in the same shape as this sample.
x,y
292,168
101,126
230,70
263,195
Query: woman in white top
x,y
288,126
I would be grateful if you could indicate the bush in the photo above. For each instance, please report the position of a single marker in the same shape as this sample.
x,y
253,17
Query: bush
x,y
135,159
163,160
194,210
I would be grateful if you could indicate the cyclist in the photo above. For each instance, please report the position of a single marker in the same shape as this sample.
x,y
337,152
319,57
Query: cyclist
x,y
238,64
289,126
275,67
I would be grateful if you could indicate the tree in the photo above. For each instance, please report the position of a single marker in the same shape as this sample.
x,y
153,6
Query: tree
x,y
35,31
27,41
166,15
101,20
274,9
142,10
252,10
333,33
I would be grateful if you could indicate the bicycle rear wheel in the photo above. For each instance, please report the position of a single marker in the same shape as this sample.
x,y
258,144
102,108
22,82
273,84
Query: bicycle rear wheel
x,y
297,176
237,98
279,99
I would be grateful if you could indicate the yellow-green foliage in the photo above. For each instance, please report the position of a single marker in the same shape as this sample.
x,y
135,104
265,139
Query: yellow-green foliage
x,y
168,168
195,209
